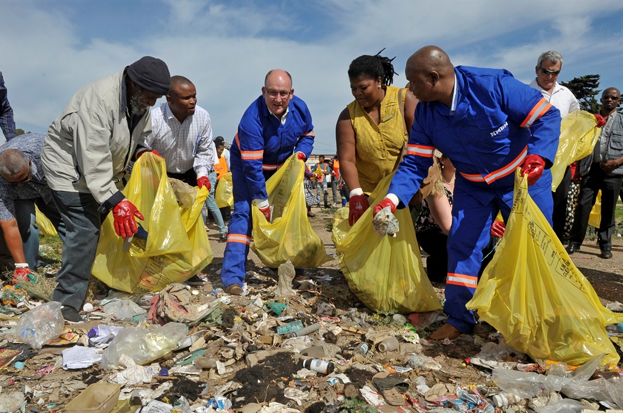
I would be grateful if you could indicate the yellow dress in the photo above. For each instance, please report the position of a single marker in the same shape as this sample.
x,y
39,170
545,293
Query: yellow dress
x,y
377,147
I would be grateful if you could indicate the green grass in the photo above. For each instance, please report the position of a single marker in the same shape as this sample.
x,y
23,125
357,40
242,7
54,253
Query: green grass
x,y
50,249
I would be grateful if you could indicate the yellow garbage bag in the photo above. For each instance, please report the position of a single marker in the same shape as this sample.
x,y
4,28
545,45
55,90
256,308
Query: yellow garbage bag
x,y
44,224
385,273
289,236
595,214
177,244
536,297
579,135
224,194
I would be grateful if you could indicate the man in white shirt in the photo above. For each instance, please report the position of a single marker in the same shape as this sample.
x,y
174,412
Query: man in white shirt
x,y
182,135
547,71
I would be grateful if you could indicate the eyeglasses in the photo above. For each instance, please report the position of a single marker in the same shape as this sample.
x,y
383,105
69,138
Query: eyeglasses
x,y
274,93
611,97
550,72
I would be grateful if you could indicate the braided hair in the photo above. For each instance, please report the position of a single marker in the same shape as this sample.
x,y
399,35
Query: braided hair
x,y
374,66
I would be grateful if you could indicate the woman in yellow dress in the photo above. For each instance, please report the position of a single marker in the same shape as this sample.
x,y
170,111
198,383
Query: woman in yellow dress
x,y
372,130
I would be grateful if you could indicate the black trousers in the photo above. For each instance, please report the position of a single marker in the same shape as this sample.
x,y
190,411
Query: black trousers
x,y
610,186
560,203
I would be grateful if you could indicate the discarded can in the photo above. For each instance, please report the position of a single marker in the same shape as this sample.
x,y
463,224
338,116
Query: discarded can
x,y
319,366
361,349
290,327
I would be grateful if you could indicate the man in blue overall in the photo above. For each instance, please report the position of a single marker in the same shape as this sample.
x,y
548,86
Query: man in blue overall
x,y
488,124
273,127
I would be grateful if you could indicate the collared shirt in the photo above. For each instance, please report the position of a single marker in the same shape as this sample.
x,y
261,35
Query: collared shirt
x,y
7,123
283,118
30,145
183,145
600,150
561,98
454,101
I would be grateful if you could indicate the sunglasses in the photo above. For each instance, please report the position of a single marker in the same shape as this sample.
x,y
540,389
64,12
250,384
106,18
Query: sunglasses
x,y
550,72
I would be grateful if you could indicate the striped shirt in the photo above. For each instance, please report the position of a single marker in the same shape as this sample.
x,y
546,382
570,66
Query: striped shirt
x,y
183,145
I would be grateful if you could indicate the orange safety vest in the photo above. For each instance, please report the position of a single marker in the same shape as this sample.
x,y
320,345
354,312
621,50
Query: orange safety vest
x,y
221,167
336,169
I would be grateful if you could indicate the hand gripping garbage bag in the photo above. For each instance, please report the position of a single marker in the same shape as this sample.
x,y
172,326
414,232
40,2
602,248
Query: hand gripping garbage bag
x,y
224,194
385,273
44,224
176,245
579,135
289,236
534,295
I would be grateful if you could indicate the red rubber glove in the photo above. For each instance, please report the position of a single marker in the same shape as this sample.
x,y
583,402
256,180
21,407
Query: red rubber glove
x,y
266,212
155,152
498,229
123,214
533,168
23,274
385,203
358,204
301,155
600,121
203,181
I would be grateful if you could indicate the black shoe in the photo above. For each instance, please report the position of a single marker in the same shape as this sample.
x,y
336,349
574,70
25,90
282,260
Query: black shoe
x,y
71,315
572,248
195,281
223,237
606,254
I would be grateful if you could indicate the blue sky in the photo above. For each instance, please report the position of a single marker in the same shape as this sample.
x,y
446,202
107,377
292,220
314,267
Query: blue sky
x,y
52,48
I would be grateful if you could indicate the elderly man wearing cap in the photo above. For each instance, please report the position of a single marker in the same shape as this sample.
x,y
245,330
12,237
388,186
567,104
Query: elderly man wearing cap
x,y
84,157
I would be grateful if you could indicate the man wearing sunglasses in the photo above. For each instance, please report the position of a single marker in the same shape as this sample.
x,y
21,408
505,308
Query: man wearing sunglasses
x,y
84,158
602,170
22,186
547,71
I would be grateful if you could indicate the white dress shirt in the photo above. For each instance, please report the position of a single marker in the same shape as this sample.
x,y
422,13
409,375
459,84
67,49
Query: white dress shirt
x,y
561,98
183,145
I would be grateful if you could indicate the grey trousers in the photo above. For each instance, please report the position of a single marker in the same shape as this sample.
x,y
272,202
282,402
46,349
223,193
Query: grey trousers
x,y
82,232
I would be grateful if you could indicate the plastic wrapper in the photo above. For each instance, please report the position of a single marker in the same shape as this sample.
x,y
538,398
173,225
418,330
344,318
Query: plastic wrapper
x,y
289,236
40,325
385,273
286,274
44,224
579,135
564,406
536,297
177,245
385,223
143,344
224,194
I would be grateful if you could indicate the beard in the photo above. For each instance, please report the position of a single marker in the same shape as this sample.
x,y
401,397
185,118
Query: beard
x,y
137,104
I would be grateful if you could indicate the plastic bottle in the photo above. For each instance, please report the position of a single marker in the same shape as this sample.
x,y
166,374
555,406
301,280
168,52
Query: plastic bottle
x,y
389,344
361,349
304,331
290,327
319,366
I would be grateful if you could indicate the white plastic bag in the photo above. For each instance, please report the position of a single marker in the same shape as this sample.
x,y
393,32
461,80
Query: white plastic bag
x,y
41,324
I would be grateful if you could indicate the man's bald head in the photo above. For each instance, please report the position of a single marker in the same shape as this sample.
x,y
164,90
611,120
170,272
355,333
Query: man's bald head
x,y
431,75
182,97
177,81
277,91
277,75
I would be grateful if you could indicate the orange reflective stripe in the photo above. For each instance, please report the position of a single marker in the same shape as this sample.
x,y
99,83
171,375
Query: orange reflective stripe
x,y
309,133
420,150
240,238
248,155
268,167
499,173
537,112
462,280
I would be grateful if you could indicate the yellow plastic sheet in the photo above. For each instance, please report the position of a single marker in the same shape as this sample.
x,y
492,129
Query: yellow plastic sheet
x,y
595,214
44,224
224,194
536,297
289,236
385,273
177,244
579,135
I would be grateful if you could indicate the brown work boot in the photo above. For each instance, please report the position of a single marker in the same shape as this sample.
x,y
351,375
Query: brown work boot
x,y
446,331
234,289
